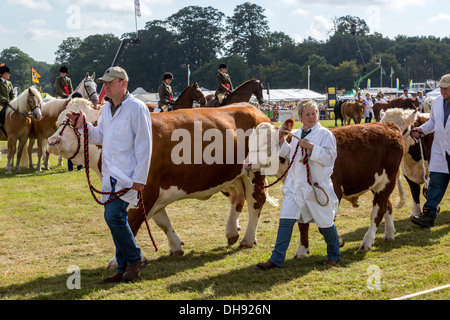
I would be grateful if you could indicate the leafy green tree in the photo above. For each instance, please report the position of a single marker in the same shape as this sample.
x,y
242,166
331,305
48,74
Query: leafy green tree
x,y
247,32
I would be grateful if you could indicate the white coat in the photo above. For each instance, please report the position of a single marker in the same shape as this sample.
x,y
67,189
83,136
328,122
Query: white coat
x,y
441,142
298,197
126,140
368,107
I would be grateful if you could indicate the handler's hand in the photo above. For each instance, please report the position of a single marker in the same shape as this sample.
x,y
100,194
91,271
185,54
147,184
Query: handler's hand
x,y
138,186
416,132
72,117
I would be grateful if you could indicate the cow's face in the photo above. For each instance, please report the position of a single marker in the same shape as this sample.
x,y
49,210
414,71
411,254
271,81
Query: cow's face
x,y
263,150
64,142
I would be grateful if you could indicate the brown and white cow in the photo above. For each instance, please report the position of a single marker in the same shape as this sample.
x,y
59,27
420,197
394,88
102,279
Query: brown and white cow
x,y
170,180
368,158
415,159
352,111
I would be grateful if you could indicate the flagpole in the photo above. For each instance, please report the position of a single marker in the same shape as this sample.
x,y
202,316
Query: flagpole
x,y
188,76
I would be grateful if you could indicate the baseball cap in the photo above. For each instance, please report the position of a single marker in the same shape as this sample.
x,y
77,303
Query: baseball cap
x,y
445,81
112,73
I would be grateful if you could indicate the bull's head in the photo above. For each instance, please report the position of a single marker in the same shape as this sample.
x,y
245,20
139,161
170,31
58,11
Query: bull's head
x,y
404,118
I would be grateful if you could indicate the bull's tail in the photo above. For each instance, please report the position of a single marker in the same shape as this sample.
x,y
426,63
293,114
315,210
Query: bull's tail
x,y
273,202
401,192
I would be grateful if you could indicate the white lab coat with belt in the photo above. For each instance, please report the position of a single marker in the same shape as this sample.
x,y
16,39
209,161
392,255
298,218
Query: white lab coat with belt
x,y
298,197
441,142
126,140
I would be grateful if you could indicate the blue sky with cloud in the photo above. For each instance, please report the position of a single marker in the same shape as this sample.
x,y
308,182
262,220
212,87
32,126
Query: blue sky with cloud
x,y
37,27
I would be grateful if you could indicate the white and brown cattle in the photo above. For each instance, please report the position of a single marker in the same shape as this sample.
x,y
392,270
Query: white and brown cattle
x,y
368,158
417,152
178,173
352,111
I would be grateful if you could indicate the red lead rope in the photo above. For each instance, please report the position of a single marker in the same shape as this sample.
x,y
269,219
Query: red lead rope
x,y
117,194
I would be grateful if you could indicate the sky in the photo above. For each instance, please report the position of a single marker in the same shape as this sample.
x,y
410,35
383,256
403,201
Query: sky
x,y
37,27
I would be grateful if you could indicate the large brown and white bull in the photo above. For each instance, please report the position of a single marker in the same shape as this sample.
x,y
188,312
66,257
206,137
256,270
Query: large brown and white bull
x,y
368,159
196,153
417,153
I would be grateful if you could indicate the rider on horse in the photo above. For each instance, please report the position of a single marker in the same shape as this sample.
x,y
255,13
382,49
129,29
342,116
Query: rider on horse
x,y
224,85
6,88
165,102
63,84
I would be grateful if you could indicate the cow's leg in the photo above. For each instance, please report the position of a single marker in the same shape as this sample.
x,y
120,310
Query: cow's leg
x,y
162,220
369,237
236,196
255,199
415,193
389,229
303,246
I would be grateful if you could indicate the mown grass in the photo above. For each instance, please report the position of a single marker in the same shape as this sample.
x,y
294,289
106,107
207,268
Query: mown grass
x,y
49,222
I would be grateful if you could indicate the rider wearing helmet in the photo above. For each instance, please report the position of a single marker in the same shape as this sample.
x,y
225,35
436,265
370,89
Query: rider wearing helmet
x,y
63,84
224,85
6,88
165,93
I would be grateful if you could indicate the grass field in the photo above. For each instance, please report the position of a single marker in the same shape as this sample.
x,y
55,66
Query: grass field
x,y
49,222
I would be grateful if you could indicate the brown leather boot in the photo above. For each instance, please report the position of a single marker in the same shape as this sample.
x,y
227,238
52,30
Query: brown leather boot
x,y
133,271
117,277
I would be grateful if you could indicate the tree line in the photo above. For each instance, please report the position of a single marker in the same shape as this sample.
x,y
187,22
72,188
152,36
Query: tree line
x,y
200,38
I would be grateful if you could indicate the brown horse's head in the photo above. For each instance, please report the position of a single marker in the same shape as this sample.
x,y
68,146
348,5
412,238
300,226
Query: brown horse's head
x,y
198,94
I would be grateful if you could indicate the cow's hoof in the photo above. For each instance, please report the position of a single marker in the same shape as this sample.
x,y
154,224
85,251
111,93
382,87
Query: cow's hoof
x,y
245,244
178,252
301,253
364,247
389,238
233,240
341,242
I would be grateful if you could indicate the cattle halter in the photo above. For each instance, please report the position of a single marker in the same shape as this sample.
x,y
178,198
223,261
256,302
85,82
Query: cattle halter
x,y
305,161
93,190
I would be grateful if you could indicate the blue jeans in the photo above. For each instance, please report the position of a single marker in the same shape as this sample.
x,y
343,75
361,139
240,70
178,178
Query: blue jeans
x,y
284,238
116,217
436,191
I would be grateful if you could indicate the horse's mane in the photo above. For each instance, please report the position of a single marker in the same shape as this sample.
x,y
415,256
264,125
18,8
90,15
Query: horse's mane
x,y
20,103
80,104
244,84
51,107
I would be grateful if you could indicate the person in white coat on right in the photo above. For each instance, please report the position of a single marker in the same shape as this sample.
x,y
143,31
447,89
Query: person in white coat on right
x,y
440,154
300,203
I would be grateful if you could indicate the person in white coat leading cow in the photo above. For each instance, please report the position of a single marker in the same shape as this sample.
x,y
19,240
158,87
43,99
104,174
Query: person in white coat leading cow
x,y
124,130
300,201
440,154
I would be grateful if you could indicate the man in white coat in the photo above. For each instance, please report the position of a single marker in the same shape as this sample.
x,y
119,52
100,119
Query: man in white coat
x,y
440,154
300,203
124,130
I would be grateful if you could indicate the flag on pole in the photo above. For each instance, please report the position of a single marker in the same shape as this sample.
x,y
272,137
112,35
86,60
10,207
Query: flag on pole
x,y
34,76
137,8
383,72
398,84
410,84
368,83
392,72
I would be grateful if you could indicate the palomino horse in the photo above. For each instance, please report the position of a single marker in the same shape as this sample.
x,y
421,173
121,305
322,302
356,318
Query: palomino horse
x,y
46,127
186,99
242,93
17,124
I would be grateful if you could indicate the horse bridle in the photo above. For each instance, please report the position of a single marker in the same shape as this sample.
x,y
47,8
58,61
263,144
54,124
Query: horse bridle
x,y
86,88
30,106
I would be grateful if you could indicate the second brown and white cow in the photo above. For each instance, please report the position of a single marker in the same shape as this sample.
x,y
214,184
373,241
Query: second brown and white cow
x,y
417,153
368,159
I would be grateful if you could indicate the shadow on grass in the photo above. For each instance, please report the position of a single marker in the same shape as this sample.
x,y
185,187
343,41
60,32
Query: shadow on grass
x,y
246,280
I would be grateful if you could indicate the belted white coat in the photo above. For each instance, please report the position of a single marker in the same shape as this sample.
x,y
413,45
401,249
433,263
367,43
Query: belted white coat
x,y
126,140
441,142
299,201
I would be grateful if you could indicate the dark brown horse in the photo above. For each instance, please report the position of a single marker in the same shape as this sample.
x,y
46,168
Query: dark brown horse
x,y
17,124
242,93
186,98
